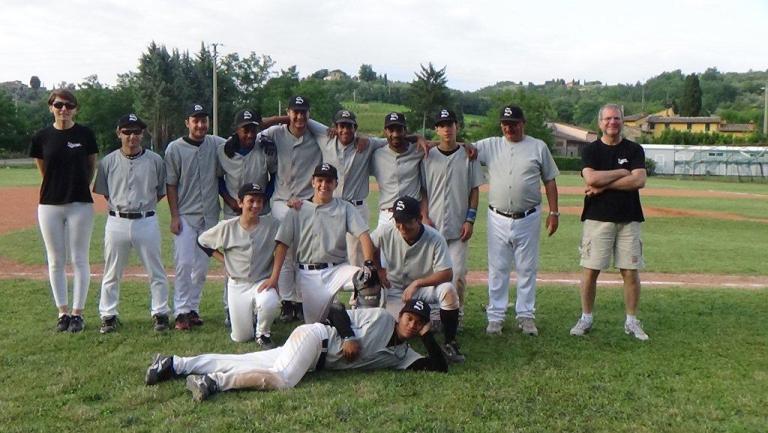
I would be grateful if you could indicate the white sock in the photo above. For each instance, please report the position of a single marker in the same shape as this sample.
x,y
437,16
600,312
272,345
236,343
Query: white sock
x,y
631,318
587,317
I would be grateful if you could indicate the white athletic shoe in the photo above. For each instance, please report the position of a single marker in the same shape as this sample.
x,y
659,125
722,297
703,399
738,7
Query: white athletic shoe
x,y
528,325
581,327
635,329
494,327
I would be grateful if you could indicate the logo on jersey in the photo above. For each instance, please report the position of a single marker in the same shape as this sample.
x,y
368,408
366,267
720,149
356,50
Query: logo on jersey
x,y
623,161
418,305
133,118
73,145
507,111
299,100
444,113
198,107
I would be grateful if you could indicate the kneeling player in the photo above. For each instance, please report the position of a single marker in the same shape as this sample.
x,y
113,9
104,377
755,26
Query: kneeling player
x,y
362,339
245,244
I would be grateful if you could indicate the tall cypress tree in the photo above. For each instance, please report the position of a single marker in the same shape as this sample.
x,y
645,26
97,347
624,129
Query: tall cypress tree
x,y
690,104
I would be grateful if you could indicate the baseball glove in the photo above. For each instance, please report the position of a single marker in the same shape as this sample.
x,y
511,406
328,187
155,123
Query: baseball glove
x,y
368,292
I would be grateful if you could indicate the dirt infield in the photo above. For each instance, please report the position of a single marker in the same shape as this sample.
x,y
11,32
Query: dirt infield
x,y
20,207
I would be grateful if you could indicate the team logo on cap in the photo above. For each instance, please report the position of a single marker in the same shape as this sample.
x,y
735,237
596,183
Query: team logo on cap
x,y
399,205
345,113
198,107
507,111
132,118
299,100
325,167
418,305
393,116
247,115
444,113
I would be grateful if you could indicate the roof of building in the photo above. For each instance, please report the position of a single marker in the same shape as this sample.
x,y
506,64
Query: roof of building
x,y
635,117
571,132
737,127
677,119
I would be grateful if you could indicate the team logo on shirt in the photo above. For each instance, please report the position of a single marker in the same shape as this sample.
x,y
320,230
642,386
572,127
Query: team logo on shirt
x,y
623,161
73,145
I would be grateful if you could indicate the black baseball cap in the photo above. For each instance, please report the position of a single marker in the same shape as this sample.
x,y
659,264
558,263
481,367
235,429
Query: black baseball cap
x,y
394,118
298,103
345,116
247,117
250,189
417,307
325,170
131,120
196,110
445,115
512,113
405,209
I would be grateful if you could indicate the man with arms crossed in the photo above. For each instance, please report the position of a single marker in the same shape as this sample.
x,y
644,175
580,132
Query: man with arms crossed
x,y
244,243
193,198
614,172
517,164
132,180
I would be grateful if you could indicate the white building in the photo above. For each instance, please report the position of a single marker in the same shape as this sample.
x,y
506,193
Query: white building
x,y
708,160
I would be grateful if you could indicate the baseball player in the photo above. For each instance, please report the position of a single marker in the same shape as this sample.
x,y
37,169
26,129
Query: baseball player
x,y
418,267
132,181
297,155
614,171
193,199
517,164
317,231
244,159
452,183
357,339
244,242
396,166
343,149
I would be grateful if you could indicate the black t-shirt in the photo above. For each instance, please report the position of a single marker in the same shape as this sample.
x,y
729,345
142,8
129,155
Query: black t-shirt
x,y
613,205
65,153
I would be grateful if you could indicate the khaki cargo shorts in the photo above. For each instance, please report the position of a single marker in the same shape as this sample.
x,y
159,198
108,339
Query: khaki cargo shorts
x,y
602,241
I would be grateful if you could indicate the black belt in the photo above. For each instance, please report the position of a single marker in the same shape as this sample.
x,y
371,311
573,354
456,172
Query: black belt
x,y
323,354
316,266
357,202
132,215
513,215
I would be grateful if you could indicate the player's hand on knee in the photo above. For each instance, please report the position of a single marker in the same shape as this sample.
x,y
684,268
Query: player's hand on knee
x,y
410,291
350,349
266,285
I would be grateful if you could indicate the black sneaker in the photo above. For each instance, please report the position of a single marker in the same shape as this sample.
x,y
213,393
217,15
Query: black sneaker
x,y
298,311
265,342
76,324
201,386
182,322
161,322
108,324
286,311
63,323
194,318
452,353
160,370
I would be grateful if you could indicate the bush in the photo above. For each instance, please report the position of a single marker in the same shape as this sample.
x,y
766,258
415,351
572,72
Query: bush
x,y
565,163
650,167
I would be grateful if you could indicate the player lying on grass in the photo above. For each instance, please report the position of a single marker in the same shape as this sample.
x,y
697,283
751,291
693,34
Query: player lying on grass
x,y
362,339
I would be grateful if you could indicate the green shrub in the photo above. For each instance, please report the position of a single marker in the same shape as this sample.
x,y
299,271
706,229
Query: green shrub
x,y
566,163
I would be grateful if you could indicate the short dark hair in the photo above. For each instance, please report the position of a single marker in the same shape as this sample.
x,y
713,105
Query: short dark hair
x,y
64,94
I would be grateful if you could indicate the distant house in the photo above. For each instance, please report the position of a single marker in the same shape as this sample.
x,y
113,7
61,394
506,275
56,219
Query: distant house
x,y
738,129
570,139
655,124
336,74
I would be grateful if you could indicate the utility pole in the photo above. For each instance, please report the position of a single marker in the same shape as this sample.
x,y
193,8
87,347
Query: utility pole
x,y
215,92
765,111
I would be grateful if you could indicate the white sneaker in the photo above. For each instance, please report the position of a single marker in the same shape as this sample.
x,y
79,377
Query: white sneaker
x,y
494,327
528,325
581,327
635,329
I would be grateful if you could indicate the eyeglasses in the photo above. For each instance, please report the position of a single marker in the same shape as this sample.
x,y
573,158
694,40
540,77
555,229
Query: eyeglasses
x,y
58,105
131,131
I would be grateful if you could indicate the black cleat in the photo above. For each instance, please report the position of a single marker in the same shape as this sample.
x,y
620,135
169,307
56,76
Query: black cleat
x,y
160,370
161,322
63,323
76,324
108,324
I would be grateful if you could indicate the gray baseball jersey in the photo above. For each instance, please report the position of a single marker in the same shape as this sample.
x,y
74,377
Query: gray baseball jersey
x,y
296,157
238,170
406,263
448,180
319,232
373,327
353,166
397,174
194,171
132,184
247,254
515,171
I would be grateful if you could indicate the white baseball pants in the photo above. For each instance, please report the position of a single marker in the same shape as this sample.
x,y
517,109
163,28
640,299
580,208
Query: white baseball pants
x,y
289,290
120,235
457,250
289,362
66,230
512,241
244,302
430,294
319,287
385,217
191,268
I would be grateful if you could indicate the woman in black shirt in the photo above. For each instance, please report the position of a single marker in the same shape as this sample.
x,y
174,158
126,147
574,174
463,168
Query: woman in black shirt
x,y
65,154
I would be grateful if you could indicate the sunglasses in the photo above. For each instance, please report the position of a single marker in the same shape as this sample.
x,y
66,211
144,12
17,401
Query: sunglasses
x,y
58,105
131,131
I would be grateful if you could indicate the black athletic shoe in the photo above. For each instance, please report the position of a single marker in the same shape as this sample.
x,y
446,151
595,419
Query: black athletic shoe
x,y
194,318
161,322
108,324
452,353
298,311
76,324
160,370
286,311
63,323
201,386
265,342
182,322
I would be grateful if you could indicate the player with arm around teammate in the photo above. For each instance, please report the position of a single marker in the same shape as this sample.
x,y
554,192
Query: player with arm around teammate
x,y
132,180
358,339
245,242
418,267
317,230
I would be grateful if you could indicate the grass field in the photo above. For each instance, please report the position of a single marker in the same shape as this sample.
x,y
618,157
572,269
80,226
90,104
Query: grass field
x,y
704,369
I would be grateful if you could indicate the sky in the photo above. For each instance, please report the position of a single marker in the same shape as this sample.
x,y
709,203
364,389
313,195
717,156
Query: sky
x,y
481,42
